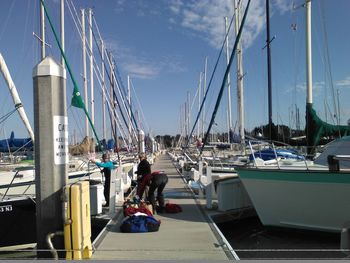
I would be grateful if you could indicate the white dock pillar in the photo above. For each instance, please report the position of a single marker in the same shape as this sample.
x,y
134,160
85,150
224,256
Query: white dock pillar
x,y
141,143
208,188
113,189
51,152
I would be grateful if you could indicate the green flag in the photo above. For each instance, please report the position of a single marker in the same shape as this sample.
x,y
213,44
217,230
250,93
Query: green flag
x,y
77,101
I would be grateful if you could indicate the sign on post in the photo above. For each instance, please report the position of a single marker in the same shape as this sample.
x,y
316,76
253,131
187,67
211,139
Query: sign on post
x,y
60,135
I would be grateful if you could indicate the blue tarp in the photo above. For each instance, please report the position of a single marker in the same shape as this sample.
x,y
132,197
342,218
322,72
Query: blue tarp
x,y
13,144
269,154
110,144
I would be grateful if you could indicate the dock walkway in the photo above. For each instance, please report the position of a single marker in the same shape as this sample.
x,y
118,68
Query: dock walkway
x,y
188,235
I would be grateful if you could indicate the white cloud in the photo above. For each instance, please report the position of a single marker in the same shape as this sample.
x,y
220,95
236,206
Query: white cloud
x,y
317,87
343,83
142,66
141,70
206,18
282,6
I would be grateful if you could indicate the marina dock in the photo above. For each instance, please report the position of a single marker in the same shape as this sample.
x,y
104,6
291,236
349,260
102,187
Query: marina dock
x,y
188,235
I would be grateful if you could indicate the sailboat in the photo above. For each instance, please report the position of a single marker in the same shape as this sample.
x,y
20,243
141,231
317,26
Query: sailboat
x,y
313,197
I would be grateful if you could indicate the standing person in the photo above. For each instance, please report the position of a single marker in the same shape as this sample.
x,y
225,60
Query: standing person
x,y
107,166
156,180
143,167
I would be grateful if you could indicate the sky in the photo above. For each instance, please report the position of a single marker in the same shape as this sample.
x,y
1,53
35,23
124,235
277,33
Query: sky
x,y
163,44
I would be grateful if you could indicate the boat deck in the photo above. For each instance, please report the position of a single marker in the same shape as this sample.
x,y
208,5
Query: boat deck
x,y
189,235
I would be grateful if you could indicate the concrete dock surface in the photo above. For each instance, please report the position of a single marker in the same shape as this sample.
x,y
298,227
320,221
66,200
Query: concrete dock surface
x,y
188,235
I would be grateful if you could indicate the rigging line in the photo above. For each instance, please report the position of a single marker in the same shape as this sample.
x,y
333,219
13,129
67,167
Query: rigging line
x,y
115,80
328,63
121,129
225,76
116,117
7,115
114,134
210,81
95,63
80,128
76,93
5,22
139,104
123,95
190,110
118,85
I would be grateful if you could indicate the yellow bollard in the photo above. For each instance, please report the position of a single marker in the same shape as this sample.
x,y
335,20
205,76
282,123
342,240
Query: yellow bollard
x,y
77,233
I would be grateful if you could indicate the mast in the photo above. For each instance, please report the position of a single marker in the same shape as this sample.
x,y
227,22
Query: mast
x,y
103,91
62,31
84,70
129,113
225,77
308,53
229,123
42,30
309,126
92,103
199,101
112,100
240,97
188,120
269,83
16,100
204,91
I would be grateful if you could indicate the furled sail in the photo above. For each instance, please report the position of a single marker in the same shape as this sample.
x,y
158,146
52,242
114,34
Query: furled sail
x,y
316,128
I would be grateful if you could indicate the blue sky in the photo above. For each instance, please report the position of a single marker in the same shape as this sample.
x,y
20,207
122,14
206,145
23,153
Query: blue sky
x,y
162,45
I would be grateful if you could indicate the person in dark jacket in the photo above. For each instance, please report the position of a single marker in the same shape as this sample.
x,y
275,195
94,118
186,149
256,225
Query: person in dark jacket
x,y
156,180
107,166
143,167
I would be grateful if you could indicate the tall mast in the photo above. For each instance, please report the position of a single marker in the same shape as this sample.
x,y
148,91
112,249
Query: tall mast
x,y
91,70
62,31
240,97
129,112
42,30
308,53
103,91
188,120
112,100
204,90
309,128
84,70
199,100
269,83
16,100
229,124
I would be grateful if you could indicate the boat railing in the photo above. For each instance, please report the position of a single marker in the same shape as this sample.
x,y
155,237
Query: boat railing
x,y
274,150
277,159
216,160
189,158
333,161
8,188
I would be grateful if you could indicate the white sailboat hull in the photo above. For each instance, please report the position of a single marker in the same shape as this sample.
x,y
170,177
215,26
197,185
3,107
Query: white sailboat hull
x,y
315,200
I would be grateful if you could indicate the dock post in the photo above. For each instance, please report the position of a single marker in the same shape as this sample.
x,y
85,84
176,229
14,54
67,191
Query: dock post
x,y
345,238
51,153
208,188
141,141
115,186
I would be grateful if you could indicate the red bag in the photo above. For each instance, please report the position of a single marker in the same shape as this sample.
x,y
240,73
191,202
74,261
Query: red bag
x,y
129,211
172,208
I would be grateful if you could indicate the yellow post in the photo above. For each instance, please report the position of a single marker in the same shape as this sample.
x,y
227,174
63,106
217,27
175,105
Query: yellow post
x,y
77,233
